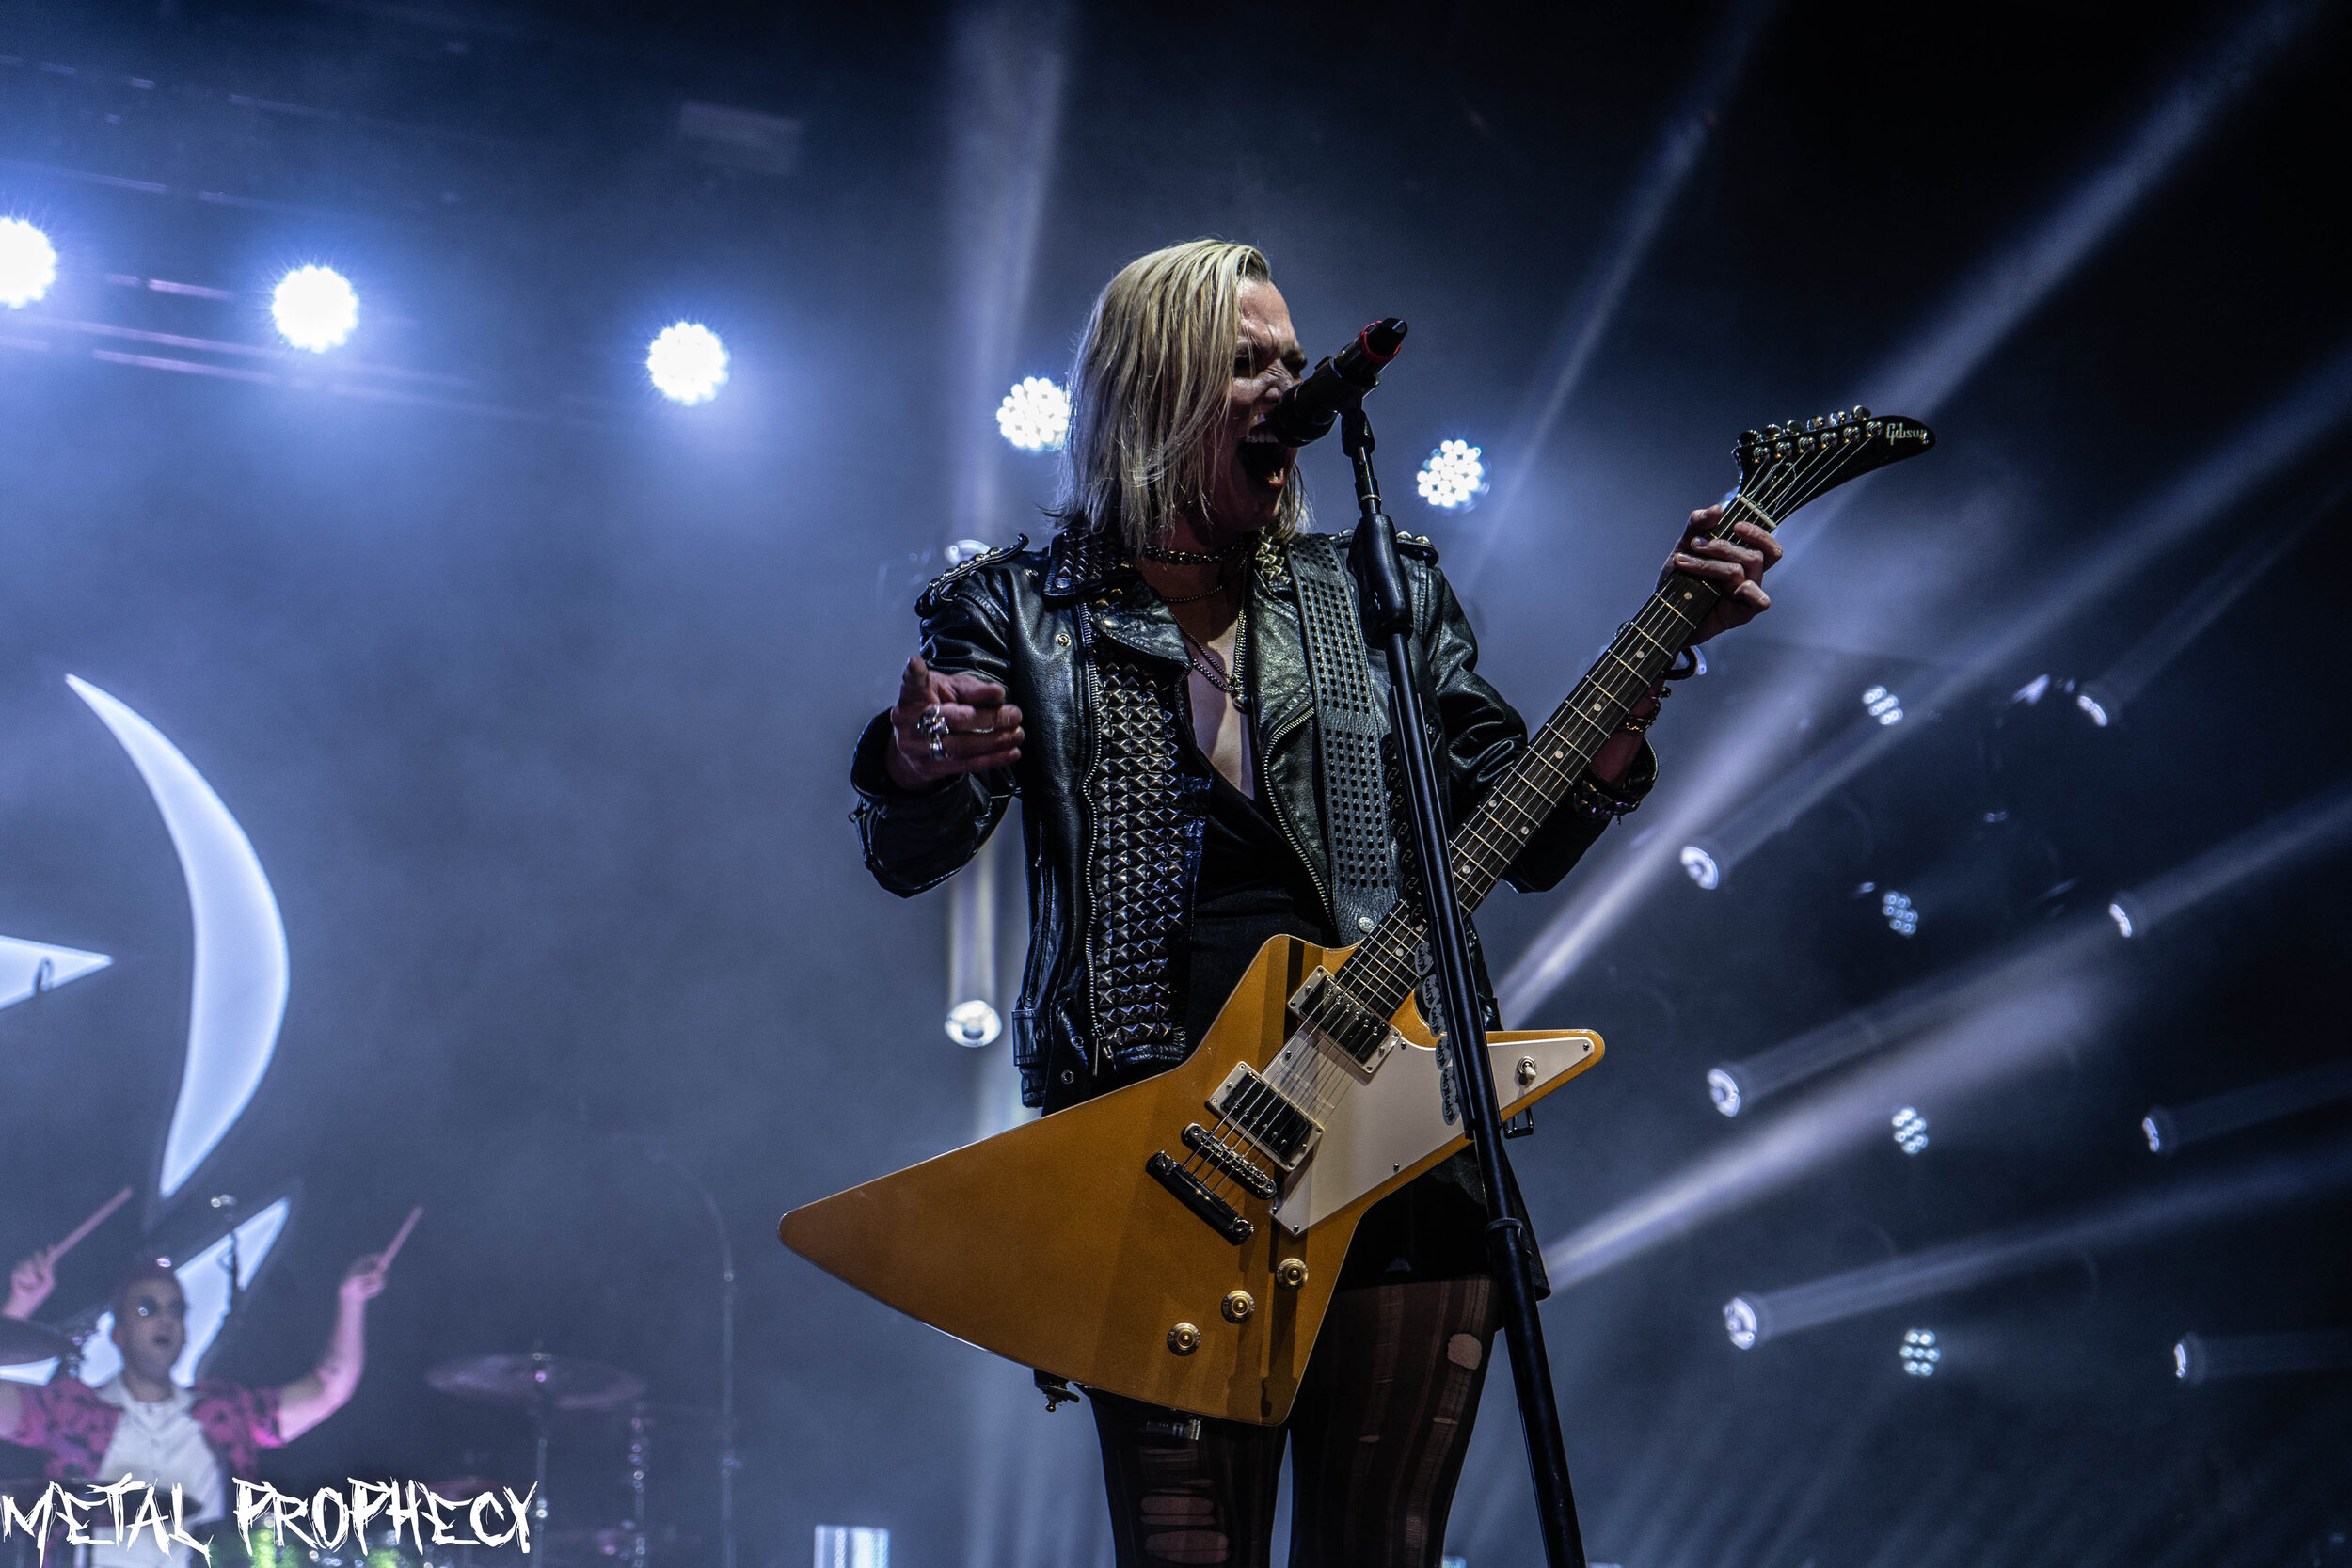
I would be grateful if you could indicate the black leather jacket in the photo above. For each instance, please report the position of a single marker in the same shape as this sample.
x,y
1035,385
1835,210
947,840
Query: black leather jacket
x,y
1048,626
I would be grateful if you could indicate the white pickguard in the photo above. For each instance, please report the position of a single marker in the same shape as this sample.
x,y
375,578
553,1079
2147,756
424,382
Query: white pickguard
x,y
1391,1123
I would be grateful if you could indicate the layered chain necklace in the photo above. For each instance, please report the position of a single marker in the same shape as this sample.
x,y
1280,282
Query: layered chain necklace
x,y
1232,682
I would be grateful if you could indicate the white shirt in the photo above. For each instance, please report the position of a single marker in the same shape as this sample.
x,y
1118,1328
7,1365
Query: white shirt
x,y
161,1445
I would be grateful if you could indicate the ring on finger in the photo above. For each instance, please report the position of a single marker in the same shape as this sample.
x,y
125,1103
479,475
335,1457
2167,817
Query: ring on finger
x,y
932,724
939,748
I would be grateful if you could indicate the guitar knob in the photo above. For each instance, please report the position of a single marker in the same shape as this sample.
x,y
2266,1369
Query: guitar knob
x,y
1183,1340
1237,1306
1291,1272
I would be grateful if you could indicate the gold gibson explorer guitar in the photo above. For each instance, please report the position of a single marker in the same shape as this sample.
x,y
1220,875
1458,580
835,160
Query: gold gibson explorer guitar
x,y
1177,1241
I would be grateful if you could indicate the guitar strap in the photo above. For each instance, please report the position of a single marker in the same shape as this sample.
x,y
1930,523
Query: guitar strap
x,y
1351,727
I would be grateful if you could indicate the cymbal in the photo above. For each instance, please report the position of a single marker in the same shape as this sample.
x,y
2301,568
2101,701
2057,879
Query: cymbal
x,y
563,1381
22,1341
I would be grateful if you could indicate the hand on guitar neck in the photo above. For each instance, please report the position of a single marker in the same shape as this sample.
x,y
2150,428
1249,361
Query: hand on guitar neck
x,y
1737,565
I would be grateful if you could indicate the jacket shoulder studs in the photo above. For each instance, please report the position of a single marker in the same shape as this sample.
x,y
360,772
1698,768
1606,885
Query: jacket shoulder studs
x,y
1416,544
964,568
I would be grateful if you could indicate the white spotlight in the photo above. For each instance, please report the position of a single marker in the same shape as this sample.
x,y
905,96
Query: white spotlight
x,y
2122,918
1741,1322
29,262
1884,704
974,1024
314,308
1035,415
687,363
2089,706
1902,917
1724,1089
1920,1352
1454,476
1700,867
1911,1130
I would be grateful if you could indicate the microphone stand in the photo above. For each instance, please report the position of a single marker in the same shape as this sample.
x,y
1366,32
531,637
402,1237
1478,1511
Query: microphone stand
x,y
1389,621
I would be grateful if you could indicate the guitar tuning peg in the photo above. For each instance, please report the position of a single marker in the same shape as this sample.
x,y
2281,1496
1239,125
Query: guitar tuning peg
x,y
1813,424
1749,438
1772,433
1860,413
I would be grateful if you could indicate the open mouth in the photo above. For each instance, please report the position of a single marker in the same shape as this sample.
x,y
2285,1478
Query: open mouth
x,y
1266,458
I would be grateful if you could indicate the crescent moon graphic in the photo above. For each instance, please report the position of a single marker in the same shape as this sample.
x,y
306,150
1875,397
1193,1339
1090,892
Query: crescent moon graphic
x,y
238,996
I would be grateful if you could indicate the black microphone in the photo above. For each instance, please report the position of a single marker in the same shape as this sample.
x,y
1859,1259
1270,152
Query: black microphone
x,y
1308,410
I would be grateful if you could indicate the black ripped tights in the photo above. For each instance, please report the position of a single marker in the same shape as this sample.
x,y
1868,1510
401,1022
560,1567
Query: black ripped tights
x,y
1379,1434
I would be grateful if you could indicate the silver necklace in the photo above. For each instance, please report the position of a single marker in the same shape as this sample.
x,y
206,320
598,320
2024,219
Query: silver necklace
x,y
1231,685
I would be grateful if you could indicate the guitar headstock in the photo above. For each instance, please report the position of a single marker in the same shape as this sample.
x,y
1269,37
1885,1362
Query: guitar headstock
x,y
1782,467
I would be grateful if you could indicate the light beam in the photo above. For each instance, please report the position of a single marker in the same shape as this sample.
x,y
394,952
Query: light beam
x,y
2130,1221
2170,1129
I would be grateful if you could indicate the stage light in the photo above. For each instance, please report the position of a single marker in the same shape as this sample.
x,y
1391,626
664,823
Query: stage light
x,y
2089,706
1901,917
2197,1356
1035,415
1883,706
687,363
2031,692
29,262
2030,1011
2137,1217
1911,1130
1920,1353
314,308
1724,1088
2171,1129
964,549
852,1546
1742,1322
1453,477
2297,837
974,1024
1699,865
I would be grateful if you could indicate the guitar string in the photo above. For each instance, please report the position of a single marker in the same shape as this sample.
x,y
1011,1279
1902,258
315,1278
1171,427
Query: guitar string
x,y
1323,1081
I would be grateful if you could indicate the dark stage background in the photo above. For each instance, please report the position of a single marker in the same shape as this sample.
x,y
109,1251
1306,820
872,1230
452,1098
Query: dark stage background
x,y
535,695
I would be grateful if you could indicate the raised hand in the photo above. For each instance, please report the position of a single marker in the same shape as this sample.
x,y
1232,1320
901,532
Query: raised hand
x,y
364,1280
948,724
1735,566
30,1284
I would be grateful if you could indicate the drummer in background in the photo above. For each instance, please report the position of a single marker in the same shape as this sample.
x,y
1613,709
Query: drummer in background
x,y
140,1423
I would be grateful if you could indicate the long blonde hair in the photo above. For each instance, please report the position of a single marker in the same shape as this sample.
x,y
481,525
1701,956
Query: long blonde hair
x,y
1148,390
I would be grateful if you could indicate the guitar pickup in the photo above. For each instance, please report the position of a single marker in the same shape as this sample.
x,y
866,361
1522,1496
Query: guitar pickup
x,y
1265,1116
1358,1039
1213,1211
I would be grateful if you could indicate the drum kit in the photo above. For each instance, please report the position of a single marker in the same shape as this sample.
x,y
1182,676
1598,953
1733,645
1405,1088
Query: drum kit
x,y
545,1387
542,1385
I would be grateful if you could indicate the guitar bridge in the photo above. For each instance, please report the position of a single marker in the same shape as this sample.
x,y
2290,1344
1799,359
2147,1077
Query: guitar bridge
x,y
1213,1212
1231,1161
1265,1116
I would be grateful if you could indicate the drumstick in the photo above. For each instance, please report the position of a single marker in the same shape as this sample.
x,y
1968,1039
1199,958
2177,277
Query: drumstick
x,y
89,1224
384,1261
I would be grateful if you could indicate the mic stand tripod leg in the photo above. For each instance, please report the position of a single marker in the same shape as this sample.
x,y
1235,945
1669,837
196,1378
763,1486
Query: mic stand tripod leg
x,y
1389,620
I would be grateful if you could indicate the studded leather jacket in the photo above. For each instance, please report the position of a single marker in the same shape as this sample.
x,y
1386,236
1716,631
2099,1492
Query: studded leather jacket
x,y
1111,820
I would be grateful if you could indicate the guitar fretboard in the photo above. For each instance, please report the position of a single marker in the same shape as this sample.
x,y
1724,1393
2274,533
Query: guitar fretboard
x,y
1782,470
